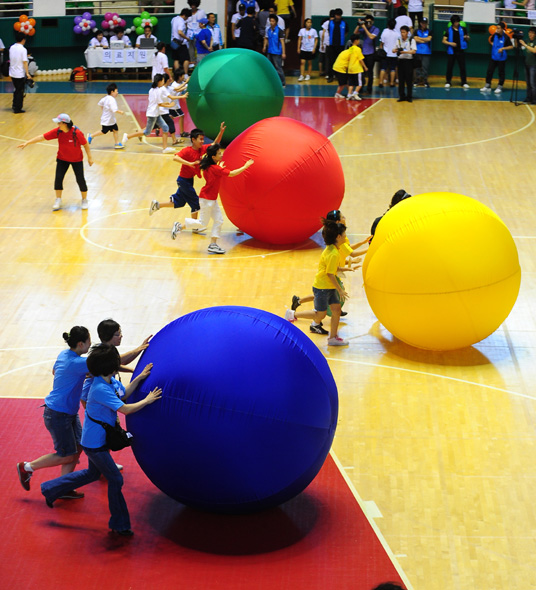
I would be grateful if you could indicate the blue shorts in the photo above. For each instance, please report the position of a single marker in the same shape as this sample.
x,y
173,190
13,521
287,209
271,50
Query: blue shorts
x,y
185,194
325,297
66,431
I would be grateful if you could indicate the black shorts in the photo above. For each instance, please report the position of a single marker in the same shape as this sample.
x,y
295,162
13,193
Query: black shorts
x,y
306,55
181,54
106,128
342,78
389,64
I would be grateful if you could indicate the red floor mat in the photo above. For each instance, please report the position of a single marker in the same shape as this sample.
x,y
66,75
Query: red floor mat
x,y
320,540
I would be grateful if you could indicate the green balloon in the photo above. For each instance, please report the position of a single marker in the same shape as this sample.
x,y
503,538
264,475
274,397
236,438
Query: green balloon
x,y
154,20
216,93
137,21
145,15
139,30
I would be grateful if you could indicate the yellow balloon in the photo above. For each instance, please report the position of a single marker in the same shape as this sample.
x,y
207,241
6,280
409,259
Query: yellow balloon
x,y
442,271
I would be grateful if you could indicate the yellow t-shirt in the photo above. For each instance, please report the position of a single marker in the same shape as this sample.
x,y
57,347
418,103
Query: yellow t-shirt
x,y
348,61
329,262
283,6
344,251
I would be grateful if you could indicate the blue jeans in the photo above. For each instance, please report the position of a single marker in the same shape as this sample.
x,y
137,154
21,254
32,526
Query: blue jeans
x,y
100,462
65,430
185,194
277,62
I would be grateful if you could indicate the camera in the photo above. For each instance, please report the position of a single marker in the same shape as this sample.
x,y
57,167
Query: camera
x,y
399,51
517,34
30,83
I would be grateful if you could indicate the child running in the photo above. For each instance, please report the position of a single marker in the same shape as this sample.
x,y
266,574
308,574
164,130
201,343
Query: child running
x,y
109,108
153,115
213,171
346,251
326,289
189,158
179,87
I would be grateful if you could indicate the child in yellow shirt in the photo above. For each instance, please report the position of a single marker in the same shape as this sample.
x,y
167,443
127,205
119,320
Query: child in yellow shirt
x,y
349,67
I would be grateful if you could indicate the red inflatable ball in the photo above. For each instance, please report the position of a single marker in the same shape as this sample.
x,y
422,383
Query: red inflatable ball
x,y
297,178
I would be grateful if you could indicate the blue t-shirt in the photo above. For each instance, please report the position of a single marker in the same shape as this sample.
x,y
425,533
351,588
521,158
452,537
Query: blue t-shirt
x,y
102,404
89,382
424,48
274,40
203,35
368,44
69,373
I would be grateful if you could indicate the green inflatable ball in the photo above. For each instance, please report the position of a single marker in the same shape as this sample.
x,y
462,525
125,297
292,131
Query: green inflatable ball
x,y
238,86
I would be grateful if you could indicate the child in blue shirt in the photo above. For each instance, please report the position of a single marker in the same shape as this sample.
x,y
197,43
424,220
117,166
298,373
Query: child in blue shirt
x,y
203,40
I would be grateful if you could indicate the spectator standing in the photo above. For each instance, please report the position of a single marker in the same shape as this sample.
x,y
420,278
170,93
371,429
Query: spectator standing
x,y
337,32
530,65
237,16
456,37
147,34
388,41
192,26
324,42
423,39
214,28
18,71
2,48
274,48
369,34
405,49
307,44
285,9
262,19
179,42
248,29
500,44
416,10
203,40
402,19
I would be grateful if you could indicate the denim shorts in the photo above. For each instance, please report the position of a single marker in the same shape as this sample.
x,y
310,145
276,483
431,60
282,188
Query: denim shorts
x,y
66,431
152,121
325,297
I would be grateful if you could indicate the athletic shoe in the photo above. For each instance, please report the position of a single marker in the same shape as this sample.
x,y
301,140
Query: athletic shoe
x,y
301,78
57,204
318,330
119,146
337,341
72,495
176,229
307,77
120,467
355,96
89,138
343,313
24,476
447,85
326,77
169,150
154,206
84,204
178,142
199,230
498,90
125,138
466,86
486,89
295,303
337,95
289,315
215,249
185,134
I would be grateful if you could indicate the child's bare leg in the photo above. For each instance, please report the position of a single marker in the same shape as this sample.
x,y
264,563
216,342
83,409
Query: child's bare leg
x,y
164,140
116,136
340,89
335,317
316,316
310,67
302,67
181,124
96,134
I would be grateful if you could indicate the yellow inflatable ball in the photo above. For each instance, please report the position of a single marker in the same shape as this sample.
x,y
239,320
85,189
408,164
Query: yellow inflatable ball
x,y
442,271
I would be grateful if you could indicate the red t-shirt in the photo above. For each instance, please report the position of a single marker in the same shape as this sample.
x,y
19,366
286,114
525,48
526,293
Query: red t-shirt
x,y
213,175
69,144
191,155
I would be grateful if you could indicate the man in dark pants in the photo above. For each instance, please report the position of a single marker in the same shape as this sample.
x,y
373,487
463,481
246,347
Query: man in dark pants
x,y
248,30
500,44
337,32
18,70
456,37
369,33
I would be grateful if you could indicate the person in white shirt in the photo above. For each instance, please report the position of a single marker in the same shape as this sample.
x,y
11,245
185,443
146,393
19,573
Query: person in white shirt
x,y
237,16
160,61
307,43
99,40
280,22
120,36
388,40
402,20
2,47
147,34
109,108
214,28
405,49
179,41
154,116
416,10
18,71
192,25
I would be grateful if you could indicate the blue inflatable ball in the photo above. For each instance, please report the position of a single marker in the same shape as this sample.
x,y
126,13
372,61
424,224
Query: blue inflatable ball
x,y
247,415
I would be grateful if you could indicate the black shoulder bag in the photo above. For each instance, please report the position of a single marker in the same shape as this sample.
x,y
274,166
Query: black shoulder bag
x,y
116,437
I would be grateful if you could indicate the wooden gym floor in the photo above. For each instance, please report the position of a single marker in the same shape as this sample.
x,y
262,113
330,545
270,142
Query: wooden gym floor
x,y
440,446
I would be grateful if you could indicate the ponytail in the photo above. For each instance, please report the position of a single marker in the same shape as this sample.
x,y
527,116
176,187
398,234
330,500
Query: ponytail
x,y
76,335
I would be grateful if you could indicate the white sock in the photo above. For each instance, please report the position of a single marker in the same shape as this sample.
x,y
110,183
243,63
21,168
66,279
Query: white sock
x,y
313,323
28,467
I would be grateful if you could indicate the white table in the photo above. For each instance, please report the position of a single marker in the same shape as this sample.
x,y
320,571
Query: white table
x,y
99,57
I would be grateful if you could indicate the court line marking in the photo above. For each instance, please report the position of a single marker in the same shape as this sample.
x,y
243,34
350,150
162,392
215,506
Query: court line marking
x,y
330,137
445,147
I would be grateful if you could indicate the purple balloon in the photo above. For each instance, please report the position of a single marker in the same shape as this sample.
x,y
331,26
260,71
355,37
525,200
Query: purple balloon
x,y
86,15
77,20
123,22
77,29
92,24
86,32
105,24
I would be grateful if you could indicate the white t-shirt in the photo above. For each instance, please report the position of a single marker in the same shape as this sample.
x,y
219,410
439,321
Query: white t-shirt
x,y
160,62
165,91
408,45
509,4
139,37
109,108
415,6
125,40
2,46
401,21
96,43
193,22
178,24
153,110
280,24
17,55
324,35
307,39
389,39
234,19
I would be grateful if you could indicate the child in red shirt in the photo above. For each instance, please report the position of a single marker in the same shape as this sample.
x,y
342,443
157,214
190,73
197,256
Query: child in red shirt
x,y
213,171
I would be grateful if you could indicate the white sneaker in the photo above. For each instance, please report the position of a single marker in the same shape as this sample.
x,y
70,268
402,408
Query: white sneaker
x,y
57,204
301,79
176,229
466,86
337,341
215,249
485,89
337,95
289,315
85,204
124,139
498,90
120,467
307,77
447,85
154,206
119,146
355,96
199,230
169,150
